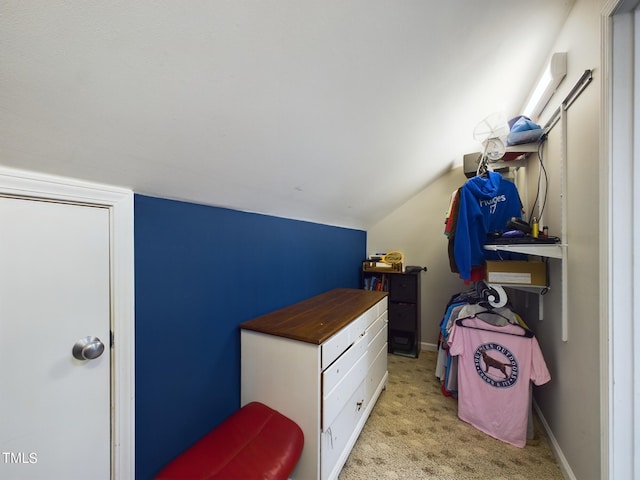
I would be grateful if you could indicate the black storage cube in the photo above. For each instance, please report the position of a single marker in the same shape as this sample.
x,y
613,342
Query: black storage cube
x,y
402,316
400,341
403,288
404,309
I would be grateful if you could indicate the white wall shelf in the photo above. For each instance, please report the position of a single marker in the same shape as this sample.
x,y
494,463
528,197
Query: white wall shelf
x,y
541,250
518,156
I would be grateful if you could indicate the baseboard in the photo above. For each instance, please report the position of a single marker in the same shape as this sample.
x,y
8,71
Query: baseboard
x,y
557,451
432,347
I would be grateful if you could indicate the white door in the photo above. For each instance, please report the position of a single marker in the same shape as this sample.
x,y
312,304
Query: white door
x,y
54,291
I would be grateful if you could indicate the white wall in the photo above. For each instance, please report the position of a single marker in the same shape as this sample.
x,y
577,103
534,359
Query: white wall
x,y
416,228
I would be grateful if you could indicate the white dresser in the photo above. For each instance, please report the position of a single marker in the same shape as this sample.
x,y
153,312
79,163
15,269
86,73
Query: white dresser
x,y
323,363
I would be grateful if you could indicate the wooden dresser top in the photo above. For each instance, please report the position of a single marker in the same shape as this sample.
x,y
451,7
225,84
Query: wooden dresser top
x,y
316,319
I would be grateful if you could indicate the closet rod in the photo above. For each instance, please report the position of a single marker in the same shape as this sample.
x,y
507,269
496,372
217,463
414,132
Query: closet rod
x,y
575,92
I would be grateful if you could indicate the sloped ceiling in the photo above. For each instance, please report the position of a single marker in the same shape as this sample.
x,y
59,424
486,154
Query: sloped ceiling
x,y
332,111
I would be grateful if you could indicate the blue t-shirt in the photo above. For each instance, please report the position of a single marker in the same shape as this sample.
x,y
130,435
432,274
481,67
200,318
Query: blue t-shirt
x,y
486,204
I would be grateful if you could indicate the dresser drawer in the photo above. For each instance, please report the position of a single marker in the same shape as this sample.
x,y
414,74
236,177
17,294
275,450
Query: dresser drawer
x,y
338,343
376,326
377,370
335,346
360,324
336,436
377,340
336,399
335,372
382,306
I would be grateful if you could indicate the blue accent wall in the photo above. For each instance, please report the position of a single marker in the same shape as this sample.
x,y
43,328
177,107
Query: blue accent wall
x,y
199,272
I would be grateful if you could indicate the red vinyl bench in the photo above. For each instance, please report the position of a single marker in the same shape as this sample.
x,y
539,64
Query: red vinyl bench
x,y
256,442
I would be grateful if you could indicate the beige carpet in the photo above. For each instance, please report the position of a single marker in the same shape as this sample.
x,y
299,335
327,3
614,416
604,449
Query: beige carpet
x,y
414,433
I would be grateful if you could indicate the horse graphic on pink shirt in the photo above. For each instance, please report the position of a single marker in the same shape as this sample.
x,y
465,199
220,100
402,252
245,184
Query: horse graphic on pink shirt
x,y
491,362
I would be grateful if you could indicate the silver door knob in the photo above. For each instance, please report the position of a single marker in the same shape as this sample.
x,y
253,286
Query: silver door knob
x,y
87,348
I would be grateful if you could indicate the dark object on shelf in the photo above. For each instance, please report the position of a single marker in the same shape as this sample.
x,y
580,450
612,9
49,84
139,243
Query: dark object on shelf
x,y
525,239
518,224
414,269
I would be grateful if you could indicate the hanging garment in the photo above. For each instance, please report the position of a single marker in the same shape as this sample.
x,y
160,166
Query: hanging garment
x,y
446,365
485,205
496,366
452,214
499,316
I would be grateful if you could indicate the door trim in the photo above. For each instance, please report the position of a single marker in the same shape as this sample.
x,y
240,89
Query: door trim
x,y
619,223
119,201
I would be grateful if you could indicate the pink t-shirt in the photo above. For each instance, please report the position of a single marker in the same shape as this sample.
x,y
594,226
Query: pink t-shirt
x,y
494,374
